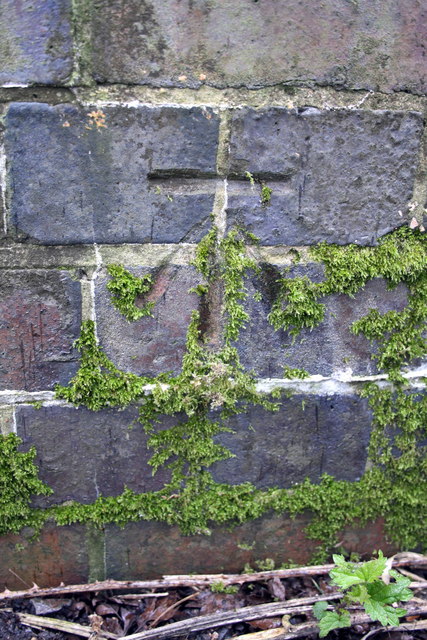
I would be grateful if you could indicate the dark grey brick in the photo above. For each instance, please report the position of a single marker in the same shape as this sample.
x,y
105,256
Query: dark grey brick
x,y
309,435
155,344
83,454
35,42
330,347
344,44
39,321
337,176
75,182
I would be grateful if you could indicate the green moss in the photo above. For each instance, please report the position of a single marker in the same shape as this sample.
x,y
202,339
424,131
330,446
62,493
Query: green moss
x,y
266,194
98,383
292,374
125,288
18,484
215,384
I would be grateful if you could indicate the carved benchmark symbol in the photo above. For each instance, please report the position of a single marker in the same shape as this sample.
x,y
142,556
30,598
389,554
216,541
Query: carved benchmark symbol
x,y
190,181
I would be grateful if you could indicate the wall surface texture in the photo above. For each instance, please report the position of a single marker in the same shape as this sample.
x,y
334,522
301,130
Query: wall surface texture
x,y
127,130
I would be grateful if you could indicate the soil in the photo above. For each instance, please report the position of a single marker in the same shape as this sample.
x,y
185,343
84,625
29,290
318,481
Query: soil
x,y
125,613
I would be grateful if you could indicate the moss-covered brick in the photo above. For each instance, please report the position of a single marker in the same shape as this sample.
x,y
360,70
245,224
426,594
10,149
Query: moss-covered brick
x,y
83,454
155,343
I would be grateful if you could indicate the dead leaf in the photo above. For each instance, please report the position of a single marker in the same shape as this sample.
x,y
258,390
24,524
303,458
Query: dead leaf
x,y
276,588
266,623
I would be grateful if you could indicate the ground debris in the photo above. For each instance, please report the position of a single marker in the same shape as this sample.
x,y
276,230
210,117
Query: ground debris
x,y
268,605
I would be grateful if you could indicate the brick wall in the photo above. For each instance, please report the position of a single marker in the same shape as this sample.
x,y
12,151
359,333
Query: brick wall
x,y
125,128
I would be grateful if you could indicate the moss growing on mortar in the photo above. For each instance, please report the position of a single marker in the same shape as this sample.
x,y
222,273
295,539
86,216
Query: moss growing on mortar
x,y
125,289
395,485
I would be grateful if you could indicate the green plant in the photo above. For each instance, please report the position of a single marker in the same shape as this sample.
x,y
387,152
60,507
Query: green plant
x,y
125,289
220,587
366,584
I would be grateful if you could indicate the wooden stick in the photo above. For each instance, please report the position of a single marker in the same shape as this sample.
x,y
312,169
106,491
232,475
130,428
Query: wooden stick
x,y
296,631
172,581
41,622
201,623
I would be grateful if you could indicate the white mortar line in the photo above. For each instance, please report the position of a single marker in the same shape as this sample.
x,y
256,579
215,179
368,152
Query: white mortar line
x,y
339,383
3,185
95,275
14,425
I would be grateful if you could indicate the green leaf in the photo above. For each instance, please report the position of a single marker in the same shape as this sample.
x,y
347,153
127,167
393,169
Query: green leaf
x,y
319,609
385,614
389,593
348,574
333,620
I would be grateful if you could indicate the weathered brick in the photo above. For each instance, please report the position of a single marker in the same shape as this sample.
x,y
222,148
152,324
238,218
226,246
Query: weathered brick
x,y
151,345
328,348
337,176
83,454
74,181
308,436
344,44
60,554
39,320
36,44
151,549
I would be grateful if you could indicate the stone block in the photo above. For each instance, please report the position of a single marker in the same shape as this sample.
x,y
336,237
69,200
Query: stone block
x,y
308,436
83,454
357,44
6,420
36,42
337,176
124,174
156,344
152,549
39,320
60,554
327,349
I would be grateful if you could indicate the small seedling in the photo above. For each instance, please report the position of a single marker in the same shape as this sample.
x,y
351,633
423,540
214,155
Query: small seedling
x,y
367,584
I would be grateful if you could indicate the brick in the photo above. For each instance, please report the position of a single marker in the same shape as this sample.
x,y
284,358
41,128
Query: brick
x,y
360,45
308,436
328,348
60,554
151,549
337,176
151,345
39,320
83,454
146,176
36,43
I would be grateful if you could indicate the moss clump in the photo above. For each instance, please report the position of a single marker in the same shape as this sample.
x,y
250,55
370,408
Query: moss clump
x,y
266,193
18,484
295,374
98,383
125,288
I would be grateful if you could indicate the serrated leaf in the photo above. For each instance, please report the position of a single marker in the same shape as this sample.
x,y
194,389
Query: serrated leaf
x,y
333,620
385,614
319,609
372,570
389,593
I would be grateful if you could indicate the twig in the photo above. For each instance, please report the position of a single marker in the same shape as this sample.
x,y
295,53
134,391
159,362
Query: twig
x,y
201,623
41,622
411,575
418,625
171,581
171,608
